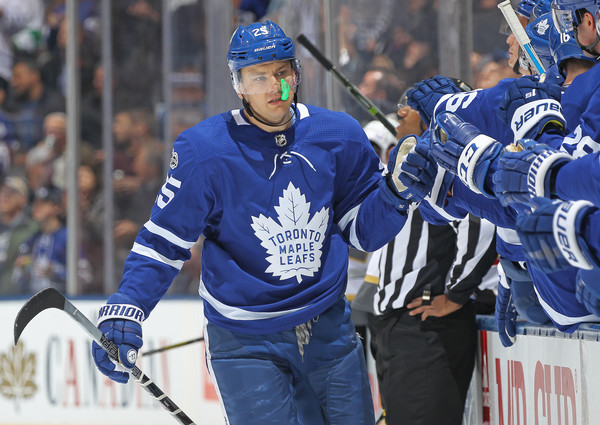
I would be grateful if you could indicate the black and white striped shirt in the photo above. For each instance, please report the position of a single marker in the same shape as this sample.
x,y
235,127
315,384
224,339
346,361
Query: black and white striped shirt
x,y
452,258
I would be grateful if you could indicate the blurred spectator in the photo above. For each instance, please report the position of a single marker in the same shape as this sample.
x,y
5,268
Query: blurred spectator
x,y
8,141
381,86
487,20
55,137
30,102
16,16
38,167
492,71
138,23
53,68
16,226
91,110
91,207
249,11
42,260
132,210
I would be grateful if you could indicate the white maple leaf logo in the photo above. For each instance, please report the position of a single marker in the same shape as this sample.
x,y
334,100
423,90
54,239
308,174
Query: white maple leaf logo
x,y
294,244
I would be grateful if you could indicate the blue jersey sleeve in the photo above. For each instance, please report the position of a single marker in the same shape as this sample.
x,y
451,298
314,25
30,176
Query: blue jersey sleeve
x,y
581,107
176,221
480,108
570,177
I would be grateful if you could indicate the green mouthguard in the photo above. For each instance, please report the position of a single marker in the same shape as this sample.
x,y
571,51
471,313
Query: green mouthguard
x,y
285,90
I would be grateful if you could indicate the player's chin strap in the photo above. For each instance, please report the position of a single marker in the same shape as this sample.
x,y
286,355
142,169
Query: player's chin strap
x,y
254,115
589,48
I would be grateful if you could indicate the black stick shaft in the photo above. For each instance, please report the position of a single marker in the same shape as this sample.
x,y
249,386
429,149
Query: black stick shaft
x,y
348,85
170,347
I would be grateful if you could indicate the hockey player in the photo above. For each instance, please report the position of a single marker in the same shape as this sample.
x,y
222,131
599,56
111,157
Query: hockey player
x,y
472,107
279,190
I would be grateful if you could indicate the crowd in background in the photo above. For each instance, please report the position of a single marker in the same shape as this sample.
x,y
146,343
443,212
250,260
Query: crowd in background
x,y
384,47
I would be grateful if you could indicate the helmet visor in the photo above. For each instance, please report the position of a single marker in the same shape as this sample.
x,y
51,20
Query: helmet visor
x,y
260,79
564,21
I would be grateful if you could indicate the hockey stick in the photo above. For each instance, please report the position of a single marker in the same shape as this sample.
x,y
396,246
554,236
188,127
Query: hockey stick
x,y
51,298
169,347
348,85
520,34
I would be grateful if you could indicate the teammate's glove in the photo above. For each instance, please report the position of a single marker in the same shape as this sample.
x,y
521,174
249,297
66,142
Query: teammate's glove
x,y
529,106
462,149
121,322
505,312
526,170
552,235
588,290
426,94
411,172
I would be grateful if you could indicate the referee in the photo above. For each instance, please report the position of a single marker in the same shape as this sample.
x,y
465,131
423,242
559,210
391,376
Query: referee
x,y
424,333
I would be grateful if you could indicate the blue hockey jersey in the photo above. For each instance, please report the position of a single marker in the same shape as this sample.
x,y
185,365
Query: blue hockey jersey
x,y
581,108
555,291
278,211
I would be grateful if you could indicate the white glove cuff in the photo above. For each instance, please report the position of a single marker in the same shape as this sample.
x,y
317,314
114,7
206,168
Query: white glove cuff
x,y
530,114
120,311
536,176
565,234
469,157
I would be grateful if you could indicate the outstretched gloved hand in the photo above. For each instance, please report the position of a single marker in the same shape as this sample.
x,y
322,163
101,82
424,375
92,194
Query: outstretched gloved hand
x,y
462,149
426,94
411,172
530,106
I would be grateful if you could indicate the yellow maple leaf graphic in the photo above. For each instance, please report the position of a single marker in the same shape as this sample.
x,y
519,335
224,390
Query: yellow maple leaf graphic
x,y
17,372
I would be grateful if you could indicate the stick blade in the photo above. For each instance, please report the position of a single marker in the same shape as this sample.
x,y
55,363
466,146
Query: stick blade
x,y
45,299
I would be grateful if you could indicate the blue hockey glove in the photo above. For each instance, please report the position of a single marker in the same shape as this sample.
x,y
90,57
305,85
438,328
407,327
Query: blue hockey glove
x,y
530,106
588,290
505,312
552,235
411,172
462,149
526,170
121,322
426,94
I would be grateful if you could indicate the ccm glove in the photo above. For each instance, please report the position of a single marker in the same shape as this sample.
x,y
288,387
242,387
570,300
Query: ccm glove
x,y
121,322
526,170
505,312
588,290
425,95
530,107
462,149
552,235
411,172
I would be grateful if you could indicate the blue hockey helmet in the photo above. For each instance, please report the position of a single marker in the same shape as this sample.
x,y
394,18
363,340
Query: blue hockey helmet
x,y
525,7
538,32
566,14
540,8
532,9
260,43
564,46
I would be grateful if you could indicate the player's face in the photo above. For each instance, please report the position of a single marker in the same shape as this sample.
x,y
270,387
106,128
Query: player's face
x,y
409,122
513,50
261,86
586,31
